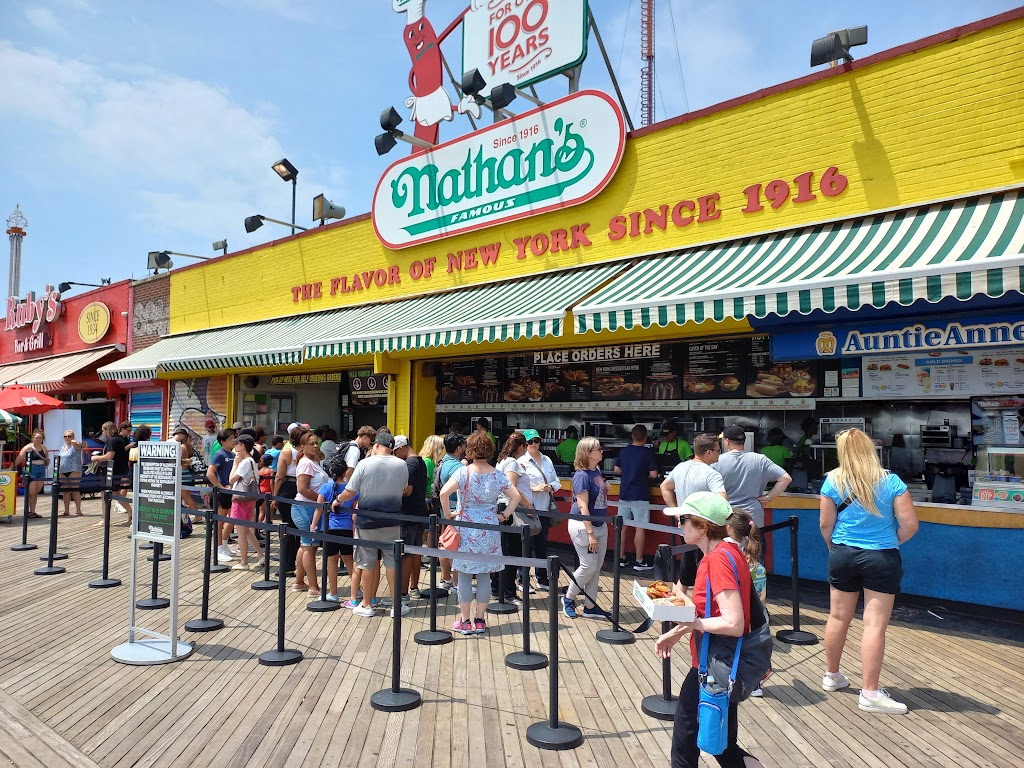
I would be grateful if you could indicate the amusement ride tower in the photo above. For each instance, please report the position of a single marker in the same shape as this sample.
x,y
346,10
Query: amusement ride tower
x,y
16,224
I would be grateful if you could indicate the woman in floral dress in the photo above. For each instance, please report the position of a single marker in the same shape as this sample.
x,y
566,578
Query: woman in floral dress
x,y
478,486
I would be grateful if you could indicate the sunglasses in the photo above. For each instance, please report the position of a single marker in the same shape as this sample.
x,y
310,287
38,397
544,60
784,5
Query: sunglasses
x,y
535,441
596,449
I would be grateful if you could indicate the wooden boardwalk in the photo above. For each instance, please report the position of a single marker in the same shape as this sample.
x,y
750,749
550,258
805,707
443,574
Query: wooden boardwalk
x,y
63,701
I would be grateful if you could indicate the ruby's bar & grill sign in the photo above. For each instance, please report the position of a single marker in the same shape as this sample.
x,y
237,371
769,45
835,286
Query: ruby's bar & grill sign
x,y
33,313
556,156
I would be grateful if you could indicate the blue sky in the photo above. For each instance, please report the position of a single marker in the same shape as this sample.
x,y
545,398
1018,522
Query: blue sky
x,y
128,127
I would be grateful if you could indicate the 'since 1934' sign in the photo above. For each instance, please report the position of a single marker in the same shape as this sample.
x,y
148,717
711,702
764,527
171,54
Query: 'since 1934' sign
x,y
559,155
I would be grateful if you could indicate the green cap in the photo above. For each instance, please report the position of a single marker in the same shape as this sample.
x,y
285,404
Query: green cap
x,y
531,434
704,504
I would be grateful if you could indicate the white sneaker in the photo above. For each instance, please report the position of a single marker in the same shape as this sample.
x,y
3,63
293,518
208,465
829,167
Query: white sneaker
x,y
224,555
361,610
406,610
882,703
446,584
757,693
240,567
829,683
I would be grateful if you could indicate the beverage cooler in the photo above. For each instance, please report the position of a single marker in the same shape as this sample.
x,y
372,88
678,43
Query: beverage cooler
x,y
999,450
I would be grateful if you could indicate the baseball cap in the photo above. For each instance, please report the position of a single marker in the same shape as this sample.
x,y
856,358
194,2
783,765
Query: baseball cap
x,y
246,440
401,441
531,434
735,433
180,431
704,504
385,439
210,423
237,425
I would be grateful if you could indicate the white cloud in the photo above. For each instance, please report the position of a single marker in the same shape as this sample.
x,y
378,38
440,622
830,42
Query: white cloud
x,y
292,10
43,19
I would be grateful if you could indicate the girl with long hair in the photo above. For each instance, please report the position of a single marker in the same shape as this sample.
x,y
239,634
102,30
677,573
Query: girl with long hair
x,y
866,513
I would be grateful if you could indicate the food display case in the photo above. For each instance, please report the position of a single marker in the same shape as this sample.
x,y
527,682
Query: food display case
x,y
997,478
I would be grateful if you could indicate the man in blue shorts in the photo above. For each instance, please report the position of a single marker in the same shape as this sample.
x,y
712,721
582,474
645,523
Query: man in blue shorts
x,y
637,466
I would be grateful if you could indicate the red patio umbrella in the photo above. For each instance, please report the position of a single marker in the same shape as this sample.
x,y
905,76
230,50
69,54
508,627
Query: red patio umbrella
x,y
19,399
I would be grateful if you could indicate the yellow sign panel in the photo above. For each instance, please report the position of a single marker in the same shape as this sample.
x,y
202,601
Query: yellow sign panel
x,y
94,322
899,132
8,494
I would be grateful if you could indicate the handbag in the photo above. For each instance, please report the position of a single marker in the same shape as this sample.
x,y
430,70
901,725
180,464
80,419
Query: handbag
x,y
713,699
450,536
745,668
523,517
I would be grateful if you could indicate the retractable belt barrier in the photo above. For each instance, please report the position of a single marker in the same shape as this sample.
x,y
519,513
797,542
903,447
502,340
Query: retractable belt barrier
x,y
794,636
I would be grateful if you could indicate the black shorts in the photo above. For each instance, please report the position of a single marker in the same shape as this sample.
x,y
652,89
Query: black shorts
x,y
224,500
851,569
332,548
412,534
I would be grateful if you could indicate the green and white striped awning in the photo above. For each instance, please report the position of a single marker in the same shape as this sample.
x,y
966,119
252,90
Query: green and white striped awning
x,y
257,345
521,309
959,249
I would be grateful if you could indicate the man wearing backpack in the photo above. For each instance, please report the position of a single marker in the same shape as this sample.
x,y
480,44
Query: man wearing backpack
x,y
355,450
454,449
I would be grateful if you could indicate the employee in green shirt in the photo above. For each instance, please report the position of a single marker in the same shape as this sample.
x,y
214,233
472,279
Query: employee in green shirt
x,y
809,427
775,450
670,442
566,450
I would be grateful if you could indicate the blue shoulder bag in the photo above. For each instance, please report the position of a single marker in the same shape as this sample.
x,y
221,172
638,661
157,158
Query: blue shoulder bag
x,y
713,703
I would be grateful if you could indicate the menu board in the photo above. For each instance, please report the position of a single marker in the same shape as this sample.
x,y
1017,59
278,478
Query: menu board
x,y
368,388
576,379
663,376
459,382
715,369
492,380
524,382
618,381
978,372
765,379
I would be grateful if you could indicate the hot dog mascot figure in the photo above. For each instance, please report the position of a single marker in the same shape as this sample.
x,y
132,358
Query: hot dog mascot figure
x,y
429,101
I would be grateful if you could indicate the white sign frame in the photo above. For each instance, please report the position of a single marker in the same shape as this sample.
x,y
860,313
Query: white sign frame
x,y
438,187
533,46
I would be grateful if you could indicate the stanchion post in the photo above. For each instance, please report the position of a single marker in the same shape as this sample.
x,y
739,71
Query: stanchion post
x,y
265,583
51,554
615,635
153,602
24,546
433,636
205,623
501,607
552,734
281,656
663,707
526,658
396,698
795,636
105,581
323,605
215,567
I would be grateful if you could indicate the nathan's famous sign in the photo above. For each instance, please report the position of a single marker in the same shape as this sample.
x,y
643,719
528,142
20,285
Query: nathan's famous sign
x,y
559,155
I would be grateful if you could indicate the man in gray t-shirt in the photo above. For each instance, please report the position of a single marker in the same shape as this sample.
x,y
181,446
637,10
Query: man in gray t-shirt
x,y
694,475
746,475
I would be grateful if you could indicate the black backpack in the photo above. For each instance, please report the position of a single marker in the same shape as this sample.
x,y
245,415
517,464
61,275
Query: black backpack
x,y
435,489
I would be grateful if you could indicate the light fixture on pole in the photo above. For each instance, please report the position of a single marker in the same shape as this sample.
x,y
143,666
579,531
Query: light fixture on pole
x,y
65,287
324,209
836,45
162,259
222,246
501,95
288,172
252,223
385,142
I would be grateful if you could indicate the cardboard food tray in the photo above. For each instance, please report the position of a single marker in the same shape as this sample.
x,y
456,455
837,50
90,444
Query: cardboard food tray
x,y
660,611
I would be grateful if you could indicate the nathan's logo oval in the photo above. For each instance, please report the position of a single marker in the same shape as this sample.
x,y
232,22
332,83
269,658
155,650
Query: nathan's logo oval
x,y
559,155
5,479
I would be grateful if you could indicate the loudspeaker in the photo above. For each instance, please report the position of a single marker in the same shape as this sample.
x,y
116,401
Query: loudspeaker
x,y
251,381
325,209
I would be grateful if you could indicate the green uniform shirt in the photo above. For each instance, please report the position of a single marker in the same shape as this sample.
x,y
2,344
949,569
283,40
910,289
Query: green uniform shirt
x,y
777,453
679,446
566,450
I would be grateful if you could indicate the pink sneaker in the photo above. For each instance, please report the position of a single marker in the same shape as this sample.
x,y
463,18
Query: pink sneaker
x,y
479,626
463,627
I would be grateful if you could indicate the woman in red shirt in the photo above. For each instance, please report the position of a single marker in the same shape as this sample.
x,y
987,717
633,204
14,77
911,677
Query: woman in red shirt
x,y
704,516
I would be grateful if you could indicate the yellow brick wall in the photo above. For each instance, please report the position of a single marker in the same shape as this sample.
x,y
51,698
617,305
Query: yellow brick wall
x,y
941,122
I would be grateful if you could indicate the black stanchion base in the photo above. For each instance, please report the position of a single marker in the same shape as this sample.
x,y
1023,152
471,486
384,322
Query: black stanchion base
x,y
146,545
104,583
322,606
51,570
658,707
395,701
500,608
796,637
435,637
24,547
220,569
163,558
615,637
262,585
153,603
526,661
281,658
56,556
543,736
204,625
434,594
